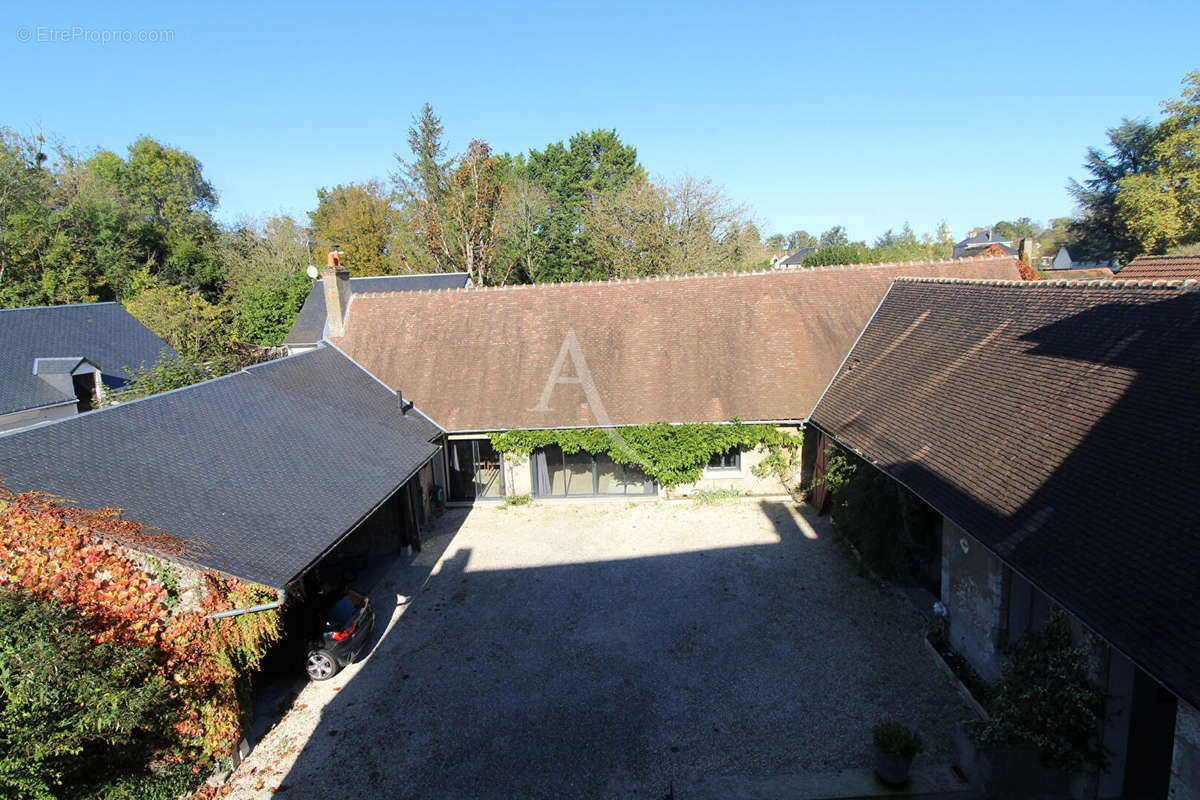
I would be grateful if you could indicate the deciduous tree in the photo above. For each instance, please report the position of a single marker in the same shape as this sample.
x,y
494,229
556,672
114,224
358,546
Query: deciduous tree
x,y
462,228
1160,206
359,218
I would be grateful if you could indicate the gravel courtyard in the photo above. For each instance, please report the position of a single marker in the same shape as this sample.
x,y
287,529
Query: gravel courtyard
x,y
605,650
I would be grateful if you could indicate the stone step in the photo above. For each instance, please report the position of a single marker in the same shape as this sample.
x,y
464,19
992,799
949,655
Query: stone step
x,y
926,782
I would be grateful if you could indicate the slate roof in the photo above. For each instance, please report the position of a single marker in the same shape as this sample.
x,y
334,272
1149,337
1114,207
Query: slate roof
x,y
1162,268
979,243
104,333
688,348
988,236
1059,424
267,467
309,327
796,259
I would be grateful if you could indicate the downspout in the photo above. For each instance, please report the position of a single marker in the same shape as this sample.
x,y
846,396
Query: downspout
x,y
237,612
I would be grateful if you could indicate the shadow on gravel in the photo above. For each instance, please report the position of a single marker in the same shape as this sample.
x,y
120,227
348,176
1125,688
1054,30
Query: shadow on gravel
x,y
385,579
613,678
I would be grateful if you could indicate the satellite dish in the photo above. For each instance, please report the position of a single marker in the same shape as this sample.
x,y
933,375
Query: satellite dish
x,y
313,272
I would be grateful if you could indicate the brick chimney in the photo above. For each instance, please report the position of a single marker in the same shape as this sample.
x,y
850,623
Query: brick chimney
x,y
335,280
1025,250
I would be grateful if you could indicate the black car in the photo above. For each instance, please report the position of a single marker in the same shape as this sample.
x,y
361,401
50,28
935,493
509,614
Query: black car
x,y
348,628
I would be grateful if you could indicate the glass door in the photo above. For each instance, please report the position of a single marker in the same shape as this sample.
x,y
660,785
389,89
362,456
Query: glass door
x,y
489,478
474,467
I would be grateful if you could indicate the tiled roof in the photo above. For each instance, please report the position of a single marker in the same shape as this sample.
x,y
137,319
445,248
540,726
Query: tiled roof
x,y
1059,424
104,333
1086,274
690,348
1162,268
309,326
267,467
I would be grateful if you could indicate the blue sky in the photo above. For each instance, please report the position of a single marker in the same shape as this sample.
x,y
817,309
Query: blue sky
x,y
860,114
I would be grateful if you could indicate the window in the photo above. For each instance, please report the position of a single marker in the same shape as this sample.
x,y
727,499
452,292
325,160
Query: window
x,y
726,462
582,474
474,470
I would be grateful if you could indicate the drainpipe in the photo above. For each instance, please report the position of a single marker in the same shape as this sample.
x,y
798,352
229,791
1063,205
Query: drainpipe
x,y
237,612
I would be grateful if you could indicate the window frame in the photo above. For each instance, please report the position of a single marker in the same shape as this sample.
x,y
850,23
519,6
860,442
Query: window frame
x,y
651,489
736,469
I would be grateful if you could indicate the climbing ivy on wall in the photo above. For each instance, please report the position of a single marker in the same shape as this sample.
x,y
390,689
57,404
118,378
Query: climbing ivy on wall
x,y
895,531
668,454
85,562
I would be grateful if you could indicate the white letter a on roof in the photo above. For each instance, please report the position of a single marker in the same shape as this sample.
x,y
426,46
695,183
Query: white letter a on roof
x,y
583,376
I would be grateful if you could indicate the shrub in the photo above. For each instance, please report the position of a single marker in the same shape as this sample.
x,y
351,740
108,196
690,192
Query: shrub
x,y
706,497
896,740
518,499
72,710
1046,700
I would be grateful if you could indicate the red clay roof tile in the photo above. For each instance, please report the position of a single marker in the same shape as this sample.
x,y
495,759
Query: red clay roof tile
x,y
691,348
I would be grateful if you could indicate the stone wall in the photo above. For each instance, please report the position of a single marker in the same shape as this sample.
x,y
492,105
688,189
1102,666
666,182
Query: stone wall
x,y
973,593
1185,762
744,480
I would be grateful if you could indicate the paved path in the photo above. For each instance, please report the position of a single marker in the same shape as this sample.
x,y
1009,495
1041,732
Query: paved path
x,y
606,650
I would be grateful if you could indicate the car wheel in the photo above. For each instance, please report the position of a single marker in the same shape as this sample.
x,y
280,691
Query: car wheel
x,y
321,665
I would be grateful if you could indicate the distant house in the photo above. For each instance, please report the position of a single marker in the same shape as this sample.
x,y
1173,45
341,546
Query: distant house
x,y
1054,429
309,326
795,259
1063,261
756,346
978,242
1162,268
55,361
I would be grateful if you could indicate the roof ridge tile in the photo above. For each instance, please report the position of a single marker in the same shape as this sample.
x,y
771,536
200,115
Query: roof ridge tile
x,y
684,276
1092,283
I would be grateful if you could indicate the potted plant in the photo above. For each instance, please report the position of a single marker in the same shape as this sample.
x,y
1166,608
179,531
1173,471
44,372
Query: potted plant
x,y
895,748
1044,718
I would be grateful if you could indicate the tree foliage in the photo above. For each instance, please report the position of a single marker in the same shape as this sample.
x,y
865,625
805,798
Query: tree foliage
x,y
72,709
1161,206
1101,233
462,226
196,328
572,176
1143,195
685,225
360,219
266,281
